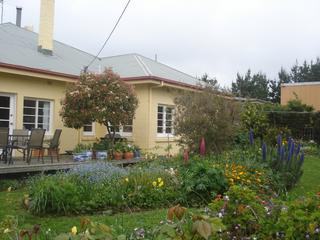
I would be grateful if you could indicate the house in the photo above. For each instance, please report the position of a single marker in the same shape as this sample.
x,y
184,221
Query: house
x,y
307,92
35,70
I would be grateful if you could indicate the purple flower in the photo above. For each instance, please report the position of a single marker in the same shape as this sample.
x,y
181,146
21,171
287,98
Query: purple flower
x,y
264,152
298,149
289,143
279,143
301,160
251,136
282,153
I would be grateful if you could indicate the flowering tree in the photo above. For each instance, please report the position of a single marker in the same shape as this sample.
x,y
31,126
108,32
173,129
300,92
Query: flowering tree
x,y
102,98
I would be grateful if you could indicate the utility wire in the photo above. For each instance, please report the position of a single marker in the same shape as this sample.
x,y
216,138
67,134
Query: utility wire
x,y
104,44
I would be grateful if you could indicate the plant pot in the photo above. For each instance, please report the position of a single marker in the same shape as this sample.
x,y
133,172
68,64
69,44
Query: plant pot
x,y
79,157
89,155
136,154
101,155
117,155
128,155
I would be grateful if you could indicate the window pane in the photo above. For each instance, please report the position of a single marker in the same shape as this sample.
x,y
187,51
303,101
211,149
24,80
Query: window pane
x,y
160,108
43,120
4,113
29,119
127,128
87,128
169,130
4,123
160,116
29,111
29,103
168,110
29,126
168,124
44,104
160,130
160,123
168,116
4,101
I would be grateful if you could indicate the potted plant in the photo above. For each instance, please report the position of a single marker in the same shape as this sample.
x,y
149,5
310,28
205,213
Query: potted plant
x,y
118,151
101,149
79,152
136,152
128,152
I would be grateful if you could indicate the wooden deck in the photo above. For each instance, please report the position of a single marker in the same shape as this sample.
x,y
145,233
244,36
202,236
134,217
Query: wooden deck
x,y
66,162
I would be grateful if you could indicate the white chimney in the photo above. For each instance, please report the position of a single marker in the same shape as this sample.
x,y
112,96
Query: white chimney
x,y
45,40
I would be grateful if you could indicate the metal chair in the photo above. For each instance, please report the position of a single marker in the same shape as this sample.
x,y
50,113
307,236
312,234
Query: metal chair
x,y
4,142
35,142
53,146
19,137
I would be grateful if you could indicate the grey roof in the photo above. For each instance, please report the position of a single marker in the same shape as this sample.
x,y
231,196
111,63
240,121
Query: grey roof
x,y
19,46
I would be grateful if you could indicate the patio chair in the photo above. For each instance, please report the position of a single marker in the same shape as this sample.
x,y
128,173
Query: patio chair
x,y
53,146
19,137
34,143
4,142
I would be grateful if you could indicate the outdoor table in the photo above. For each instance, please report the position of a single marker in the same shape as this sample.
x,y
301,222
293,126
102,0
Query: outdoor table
x,y
14,142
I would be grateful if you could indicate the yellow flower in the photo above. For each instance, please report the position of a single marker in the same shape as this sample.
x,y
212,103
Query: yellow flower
x,y
154,183
6,230
74,230
9,189
258,180
248,181
241,173
126,179
161,184
159,179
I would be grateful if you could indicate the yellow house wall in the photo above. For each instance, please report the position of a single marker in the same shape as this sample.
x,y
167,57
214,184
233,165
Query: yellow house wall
x,y
309,94
29,87
144,124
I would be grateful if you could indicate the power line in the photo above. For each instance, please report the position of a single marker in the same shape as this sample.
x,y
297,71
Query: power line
x,y
104,44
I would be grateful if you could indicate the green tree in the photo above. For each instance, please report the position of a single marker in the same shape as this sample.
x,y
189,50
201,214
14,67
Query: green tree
x,y
102,98
251,86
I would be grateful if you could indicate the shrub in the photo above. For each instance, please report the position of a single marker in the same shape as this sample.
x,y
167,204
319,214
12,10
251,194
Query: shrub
x,y
206,114
201,181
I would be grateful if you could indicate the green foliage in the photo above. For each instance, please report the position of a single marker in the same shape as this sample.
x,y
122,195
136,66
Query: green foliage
x,y
81,147
253,117
102,145
255,86
201,181
206,114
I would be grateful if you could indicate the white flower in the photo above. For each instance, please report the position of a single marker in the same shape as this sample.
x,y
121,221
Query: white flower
x,y
7,230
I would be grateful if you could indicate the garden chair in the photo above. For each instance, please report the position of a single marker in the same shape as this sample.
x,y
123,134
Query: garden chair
x,y
53,146
19,137
4,142
35,142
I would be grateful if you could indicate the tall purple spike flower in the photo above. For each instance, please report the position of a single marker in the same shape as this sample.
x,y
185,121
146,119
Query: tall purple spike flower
x,y
290,150
264,151
282,153
289,143
298,149
279,140
301,160
251,137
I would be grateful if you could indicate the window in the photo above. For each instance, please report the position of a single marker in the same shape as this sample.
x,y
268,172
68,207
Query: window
x,y
37,114
165,120
88,129
125,130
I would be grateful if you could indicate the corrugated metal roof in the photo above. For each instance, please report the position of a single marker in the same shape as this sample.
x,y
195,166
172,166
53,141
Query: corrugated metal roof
x,y
19,46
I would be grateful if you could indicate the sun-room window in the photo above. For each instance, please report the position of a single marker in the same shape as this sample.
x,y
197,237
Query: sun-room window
x,y
37,114
165,120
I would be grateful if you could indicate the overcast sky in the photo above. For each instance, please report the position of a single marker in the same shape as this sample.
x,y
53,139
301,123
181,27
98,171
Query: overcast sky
x,y
218,37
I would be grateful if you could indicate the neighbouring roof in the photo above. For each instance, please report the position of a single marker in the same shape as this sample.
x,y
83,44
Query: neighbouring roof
x,y
299,84
19,46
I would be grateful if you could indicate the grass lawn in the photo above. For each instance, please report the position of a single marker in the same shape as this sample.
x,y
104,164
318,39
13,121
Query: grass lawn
x,y
310,180
10,203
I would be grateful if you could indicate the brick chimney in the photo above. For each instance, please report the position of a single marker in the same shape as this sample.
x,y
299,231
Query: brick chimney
x,y
45,39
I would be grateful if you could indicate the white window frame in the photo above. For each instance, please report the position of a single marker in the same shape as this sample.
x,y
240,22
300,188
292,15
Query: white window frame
x,y
164,134
51,106
121,132
90,133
